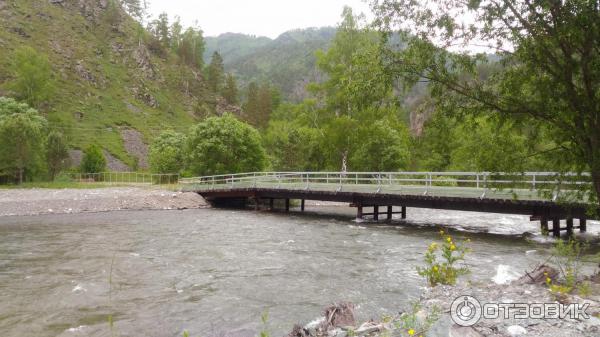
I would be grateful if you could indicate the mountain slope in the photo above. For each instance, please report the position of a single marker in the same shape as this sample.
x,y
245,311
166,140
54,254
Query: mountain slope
x,y
288,62
111,88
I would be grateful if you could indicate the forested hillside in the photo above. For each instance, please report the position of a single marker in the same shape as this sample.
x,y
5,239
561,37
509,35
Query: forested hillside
x,y
110,81
287,62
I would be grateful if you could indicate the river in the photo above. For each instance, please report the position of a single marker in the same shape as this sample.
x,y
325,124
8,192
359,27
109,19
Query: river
x,y
212,271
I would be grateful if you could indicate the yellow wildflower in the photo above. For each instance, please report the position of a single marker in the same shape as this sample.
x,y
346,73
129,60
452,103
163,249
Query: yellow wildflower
x,y
411,332
442,232
548,280
435,268
449,239
433,246
452,247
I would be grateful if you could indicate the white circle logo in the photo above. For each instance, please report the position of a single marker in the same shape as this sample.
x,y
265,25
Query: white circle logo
x,y
465,310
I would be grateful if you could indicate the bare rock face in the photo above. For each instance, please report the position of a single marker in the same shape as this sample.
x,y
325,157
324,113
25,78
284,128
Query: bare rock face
x,y
141,57
223,107
114,164
85,74
135,146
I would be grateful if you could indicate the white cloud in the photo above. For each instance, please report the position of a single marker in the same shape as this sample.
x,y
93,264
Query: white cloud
x,y
260,17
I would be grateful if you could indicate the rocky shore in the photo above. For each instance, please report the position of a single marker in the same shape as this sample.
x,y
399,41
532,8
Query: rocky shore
x,y
431,316
15,202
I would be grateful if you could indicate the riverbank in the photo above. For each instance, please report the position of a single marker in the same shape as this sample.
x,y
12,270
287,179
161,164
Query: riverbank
x,y
432,316
38,201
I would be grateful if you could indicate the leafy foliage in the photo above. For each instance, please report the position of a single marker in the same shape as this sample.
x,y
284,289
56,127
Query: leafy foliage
x,y
32,76
93,160
549,66
166,153
57,153
22,131
220,145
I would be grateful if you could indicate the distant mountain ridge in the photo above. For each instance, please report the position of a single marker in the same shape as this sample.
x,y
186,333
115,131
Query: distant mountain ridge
x,y
288,61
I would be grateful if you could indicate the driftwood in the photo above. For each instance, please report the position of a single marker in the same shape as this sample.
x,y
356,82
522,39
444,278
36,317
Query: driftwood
x,y
298,331
338,315
538,275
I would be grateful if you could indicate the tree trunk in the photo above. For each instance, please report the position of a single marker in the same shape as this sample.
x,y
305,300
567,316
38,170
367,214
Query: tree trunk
x,y
20,175
596,183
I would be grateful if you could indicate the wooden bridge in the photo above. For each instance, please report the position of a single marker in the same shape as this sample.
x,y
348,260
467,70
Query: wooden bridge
x,y
547,197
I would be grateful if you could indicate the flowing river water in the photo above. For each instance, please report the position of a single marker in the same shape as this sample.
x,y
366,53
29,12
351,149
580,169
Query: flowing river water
x,y
213,272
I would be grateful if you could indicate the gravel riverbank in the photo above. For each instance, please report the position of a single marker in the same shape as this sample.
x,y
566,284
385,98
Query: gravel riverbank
x,y
14,202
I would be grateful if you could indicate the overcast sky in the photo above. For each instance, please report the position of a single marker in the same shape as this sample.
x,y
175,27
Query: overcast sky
x,y
258,17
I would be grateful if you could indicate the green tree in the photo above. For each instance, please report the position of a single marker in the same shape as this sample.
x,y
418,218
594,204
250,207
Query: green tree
x,y
161,30
32,76
383,146
251,106
549,74
357,92
166,153
265,105
216,73
93,160
230,91
221,145
191,48
57,153
293,147
22,132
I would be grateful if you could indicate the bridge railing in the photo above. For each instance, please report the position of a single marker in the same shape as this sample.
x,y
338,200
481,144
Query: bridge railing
x,y
527,185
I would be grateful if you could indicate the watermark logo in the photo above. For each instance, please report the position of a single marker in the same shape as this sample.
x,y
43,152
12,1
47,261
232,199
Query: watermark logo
x,y
467,311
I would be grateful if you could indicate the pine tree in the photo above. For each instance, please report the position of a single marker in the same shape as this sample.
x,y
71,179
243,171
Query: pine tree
x,y
230,92
162,30
216,73
265,105
251,107
176,37
57,153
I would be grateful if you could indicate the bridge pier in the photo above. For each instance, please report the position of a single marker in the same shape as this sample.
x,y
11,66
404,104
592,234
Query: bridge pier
x,y
376,213
389,213
302,205
271,204
569,226
403,212
582,225
544,225
359,212
287,205
556,227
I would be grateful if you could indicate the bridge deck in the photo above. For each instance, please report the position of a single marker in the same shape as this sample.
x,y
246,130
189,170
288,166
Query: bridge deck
x,y
535,194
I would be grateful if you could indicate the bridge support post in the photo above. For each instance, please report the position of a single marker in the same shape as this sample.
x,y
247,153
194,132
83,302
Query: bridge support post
x,y
359,212
271,203
544,226
403,212
556,227
302,205
582,225
287,205
376,213
256,204
569,226
389,212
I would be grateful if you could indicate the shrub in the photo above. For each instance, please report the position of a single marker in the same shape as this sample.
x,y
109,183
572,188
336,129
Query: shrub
x,y
166,153
444,271
93,160
221,145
